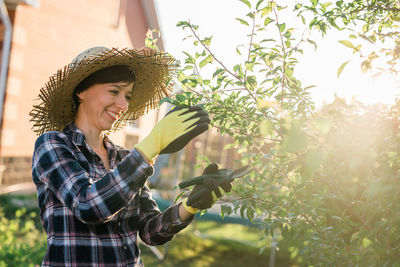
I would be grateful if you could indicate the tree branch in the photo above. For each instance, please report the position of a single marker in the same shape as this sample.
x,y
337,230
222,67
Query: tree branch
x,y
209,51
284,60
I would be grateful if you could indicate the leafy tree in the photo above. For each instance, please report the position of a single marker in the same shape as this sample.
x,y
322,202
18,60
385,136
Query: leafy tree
x,y
373,27
325,181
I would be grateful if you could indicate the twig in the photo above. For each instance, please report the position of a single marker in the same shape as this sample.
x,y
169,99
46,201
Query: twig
x,y
252,135
209,51
302,100
219,62
284,60
224,90
248,58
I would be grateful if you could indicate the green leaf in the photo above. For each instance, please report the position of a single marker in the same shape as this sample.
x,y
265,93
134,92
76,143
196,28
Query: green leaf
x,y
225,209
250,213
347,43
313,43
219,71
165,99
238,68
266,10
289,72
340,69
249,66
180,98
242,21
250,15
395,18
246,2
303,19
366,242
314,2
267,21
367,38
258,4
282,27
179,196
251,82
206,61
207,41
242,209
189,58
183,24
365,28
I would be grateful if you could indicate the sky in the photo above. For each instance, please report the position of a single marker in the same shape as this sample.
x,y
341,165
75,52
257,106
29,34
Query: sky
x,y
316,67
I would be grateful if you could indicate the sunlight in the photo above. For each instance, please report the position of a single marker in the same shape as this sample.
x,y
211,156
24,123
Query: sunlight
x,y
317,67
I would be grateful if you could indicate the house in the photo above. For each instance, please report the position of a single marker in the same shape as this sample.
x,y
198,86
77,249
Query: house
x,y
45,36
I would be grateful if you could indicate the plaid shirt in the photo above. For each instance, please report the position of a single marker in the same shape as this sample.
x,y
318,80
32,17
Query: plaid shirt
x,y
91,216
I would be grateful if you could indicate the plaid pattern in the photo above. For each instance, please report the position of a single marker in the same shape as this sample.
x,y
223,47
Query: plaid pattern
x,y
91,216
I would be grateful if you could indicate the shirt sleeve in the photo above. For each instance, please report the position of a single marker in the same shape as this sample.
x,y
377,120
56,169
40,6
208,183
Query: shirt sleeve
x,y
155,227
55,165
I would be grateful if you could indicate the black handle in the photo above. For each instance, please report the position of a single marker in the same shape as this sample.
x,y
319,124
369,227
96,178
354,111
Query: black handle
x,y
199,180
197,195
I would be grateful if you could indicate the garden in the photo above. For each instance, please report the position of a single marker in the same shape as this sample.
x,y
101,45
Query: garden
x,y
204,243
324,190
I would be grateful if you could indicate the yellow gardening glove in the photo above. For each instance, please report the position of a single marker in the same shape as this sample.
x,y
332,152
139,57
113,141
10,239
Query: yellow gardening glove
x,y
189,209
167,130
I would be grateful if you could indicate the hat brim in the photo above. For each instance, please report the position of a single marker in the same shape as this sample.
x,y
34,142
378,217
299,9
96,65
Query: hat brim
x,y
153,71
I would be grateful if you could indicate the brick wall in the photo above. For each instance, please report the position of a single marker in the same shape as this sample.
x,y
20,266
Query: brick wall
x,y
18,170
44,40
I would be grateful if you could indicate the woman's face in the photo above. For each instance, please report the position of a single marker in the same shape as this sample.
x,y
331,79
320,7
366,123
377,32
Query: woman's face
x,y
102,104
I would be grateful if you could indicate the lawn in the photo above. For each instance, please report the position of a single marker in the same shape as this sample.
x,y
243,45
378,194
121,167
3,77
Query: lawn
x,y
203,243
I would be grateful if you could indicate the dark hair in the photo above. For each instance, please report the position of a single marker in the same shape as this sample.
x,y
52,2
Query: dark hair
x,y
118,73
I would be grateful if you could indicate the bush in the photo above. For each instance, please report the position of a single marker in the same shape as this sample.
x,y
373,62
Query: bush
x,y
325,182
21,243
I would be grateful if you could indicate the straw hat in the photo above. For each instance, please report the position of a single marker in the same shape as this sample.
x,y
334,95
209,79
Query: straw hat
x,y
153,71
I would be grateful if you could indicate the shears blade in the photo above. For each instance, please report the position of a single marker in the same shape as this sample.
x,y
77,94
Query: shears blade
x,y
241,172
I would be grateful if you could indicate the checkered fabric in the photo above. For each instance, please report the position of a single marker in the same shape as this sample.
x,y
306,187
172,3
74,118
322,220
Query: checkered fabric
x,y
93,217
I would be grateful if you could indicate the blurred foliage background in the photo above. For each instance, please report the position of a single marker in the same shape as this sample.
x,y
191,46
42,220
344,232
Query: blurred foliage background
x,y
325,180
204,243
325,185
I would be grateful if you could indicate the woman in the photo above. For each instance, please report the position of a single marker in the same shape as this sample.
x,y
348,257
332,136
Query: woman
x,y
92,194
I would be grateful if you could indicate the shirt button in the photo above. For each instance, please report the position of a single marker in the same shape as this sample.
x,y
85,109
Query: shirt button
x,y
125,247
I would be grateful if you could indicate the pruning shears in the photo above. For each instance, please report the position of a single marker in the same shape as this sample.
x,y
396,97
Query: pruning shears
x,y
222,174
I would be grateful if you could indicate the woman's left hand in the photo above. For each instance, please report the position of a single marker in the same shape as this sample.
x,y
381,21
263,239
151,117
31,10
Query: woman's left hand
x,y
212,190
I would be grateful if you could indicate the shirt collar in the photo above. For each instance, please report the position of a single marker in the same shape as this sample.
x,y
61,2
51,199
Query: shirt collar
x,y
78,138
76,135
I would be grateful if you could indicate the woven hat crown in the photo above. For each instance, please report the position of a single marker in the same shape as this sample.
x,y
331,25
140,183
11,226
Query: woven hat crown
x,y
153,75
88,53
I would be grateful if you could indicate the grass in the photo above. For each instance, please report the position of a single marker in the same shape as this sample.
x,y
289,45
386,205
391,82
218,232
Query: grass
x,y
202,244
209,244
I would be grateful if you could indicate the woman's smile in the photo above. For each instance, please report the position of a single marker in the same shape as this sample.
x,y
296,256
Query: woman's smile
x,y
102,104
113,115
